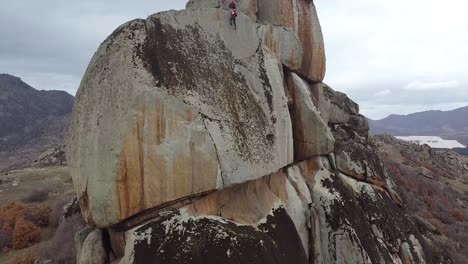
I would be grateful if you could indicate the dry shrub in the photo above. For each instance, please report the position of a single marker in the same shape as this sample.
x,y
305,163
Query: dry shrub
x,y
439,226
443,216
20,225
457,214
10,213
61,248
394,170
6,237
37,196
429,201
26,258
425,214
39,215
25,234
459,258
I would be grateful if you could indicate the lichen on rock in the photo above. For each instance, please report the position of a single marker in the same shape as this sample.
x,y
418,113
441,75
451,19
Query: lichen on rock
x,y
192,142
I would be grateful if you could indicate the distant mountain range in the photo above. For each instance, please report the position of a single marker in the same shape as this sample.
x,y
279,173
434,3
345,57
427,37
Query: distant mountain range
x,y
31,121
451,125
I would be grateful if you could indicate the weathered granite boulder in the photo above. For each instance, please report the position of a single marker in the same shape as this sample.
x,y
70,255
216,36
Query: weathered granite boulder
x,y
248,7
301,17
276,12
80,238
356,222
306,213
177,105
92,250
255,222
356,155
175,240
335,107
284,44
312,136
196,4
192,142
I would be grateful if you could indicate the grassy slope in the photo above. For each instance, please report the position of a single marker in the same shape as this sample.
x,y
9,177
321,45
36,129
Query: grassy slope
x,y
57,180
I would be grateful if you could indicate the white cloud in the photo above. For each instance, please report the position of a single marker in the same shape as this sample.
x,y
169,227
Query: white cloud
x,y
375,45
49,43
383,93
375,48
430,86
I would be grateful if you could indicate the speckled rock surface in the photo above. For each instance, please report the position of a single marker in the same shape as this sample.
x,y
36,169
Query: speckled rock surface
x,y
93,250
192,142
305,213
284,44
255,222
301,17
248,7
176,105
335,107
312,136
217,240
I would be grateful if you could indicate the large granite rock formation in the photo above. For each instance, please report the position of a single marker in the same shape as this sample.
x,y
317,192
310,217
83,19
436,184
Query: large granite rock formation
x,y
192,142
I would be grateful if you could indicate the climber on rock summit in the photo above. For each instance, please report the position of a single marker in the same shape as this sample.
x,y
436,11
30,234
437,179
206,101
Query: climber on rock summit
x,y
232,20
232,5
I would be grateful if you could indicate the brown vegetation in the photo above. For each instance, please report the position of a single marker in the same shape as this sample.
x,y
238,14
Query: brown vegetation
x,y
20,225
34,186
25,234
27,258
457,214
433,190
38,215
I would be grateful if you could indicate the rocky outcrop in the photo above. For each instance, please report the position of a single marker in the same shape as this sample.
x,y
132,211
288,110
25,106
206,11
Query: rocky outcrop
x,y
444,163
206,110
51,157
92,250
217,145
312,136
301,17
284,44
253,222
432,184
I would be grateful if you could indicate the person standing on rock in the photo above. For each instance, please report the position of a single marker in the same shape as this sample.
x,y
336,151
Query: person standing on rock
x,y
232,5
232,21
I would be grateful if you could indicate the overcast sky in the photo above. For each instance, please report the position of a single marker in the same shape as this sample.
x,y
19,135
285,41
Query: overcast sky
x,y
390,56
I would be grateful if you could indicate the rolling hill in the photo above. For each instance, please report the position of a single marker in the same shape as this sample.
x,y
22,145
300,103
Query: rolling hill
x,y
445,124
31,121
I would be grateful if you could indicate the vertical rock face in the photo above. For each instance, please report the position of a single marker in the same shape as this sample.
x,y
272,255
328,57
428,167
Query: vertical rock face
x,y
190,106
301,17
312,136
285,45
192,142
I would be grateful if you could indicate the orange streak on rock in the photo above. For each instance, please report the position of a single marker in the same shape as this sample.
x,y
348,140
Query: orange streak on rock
x,y
157,166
